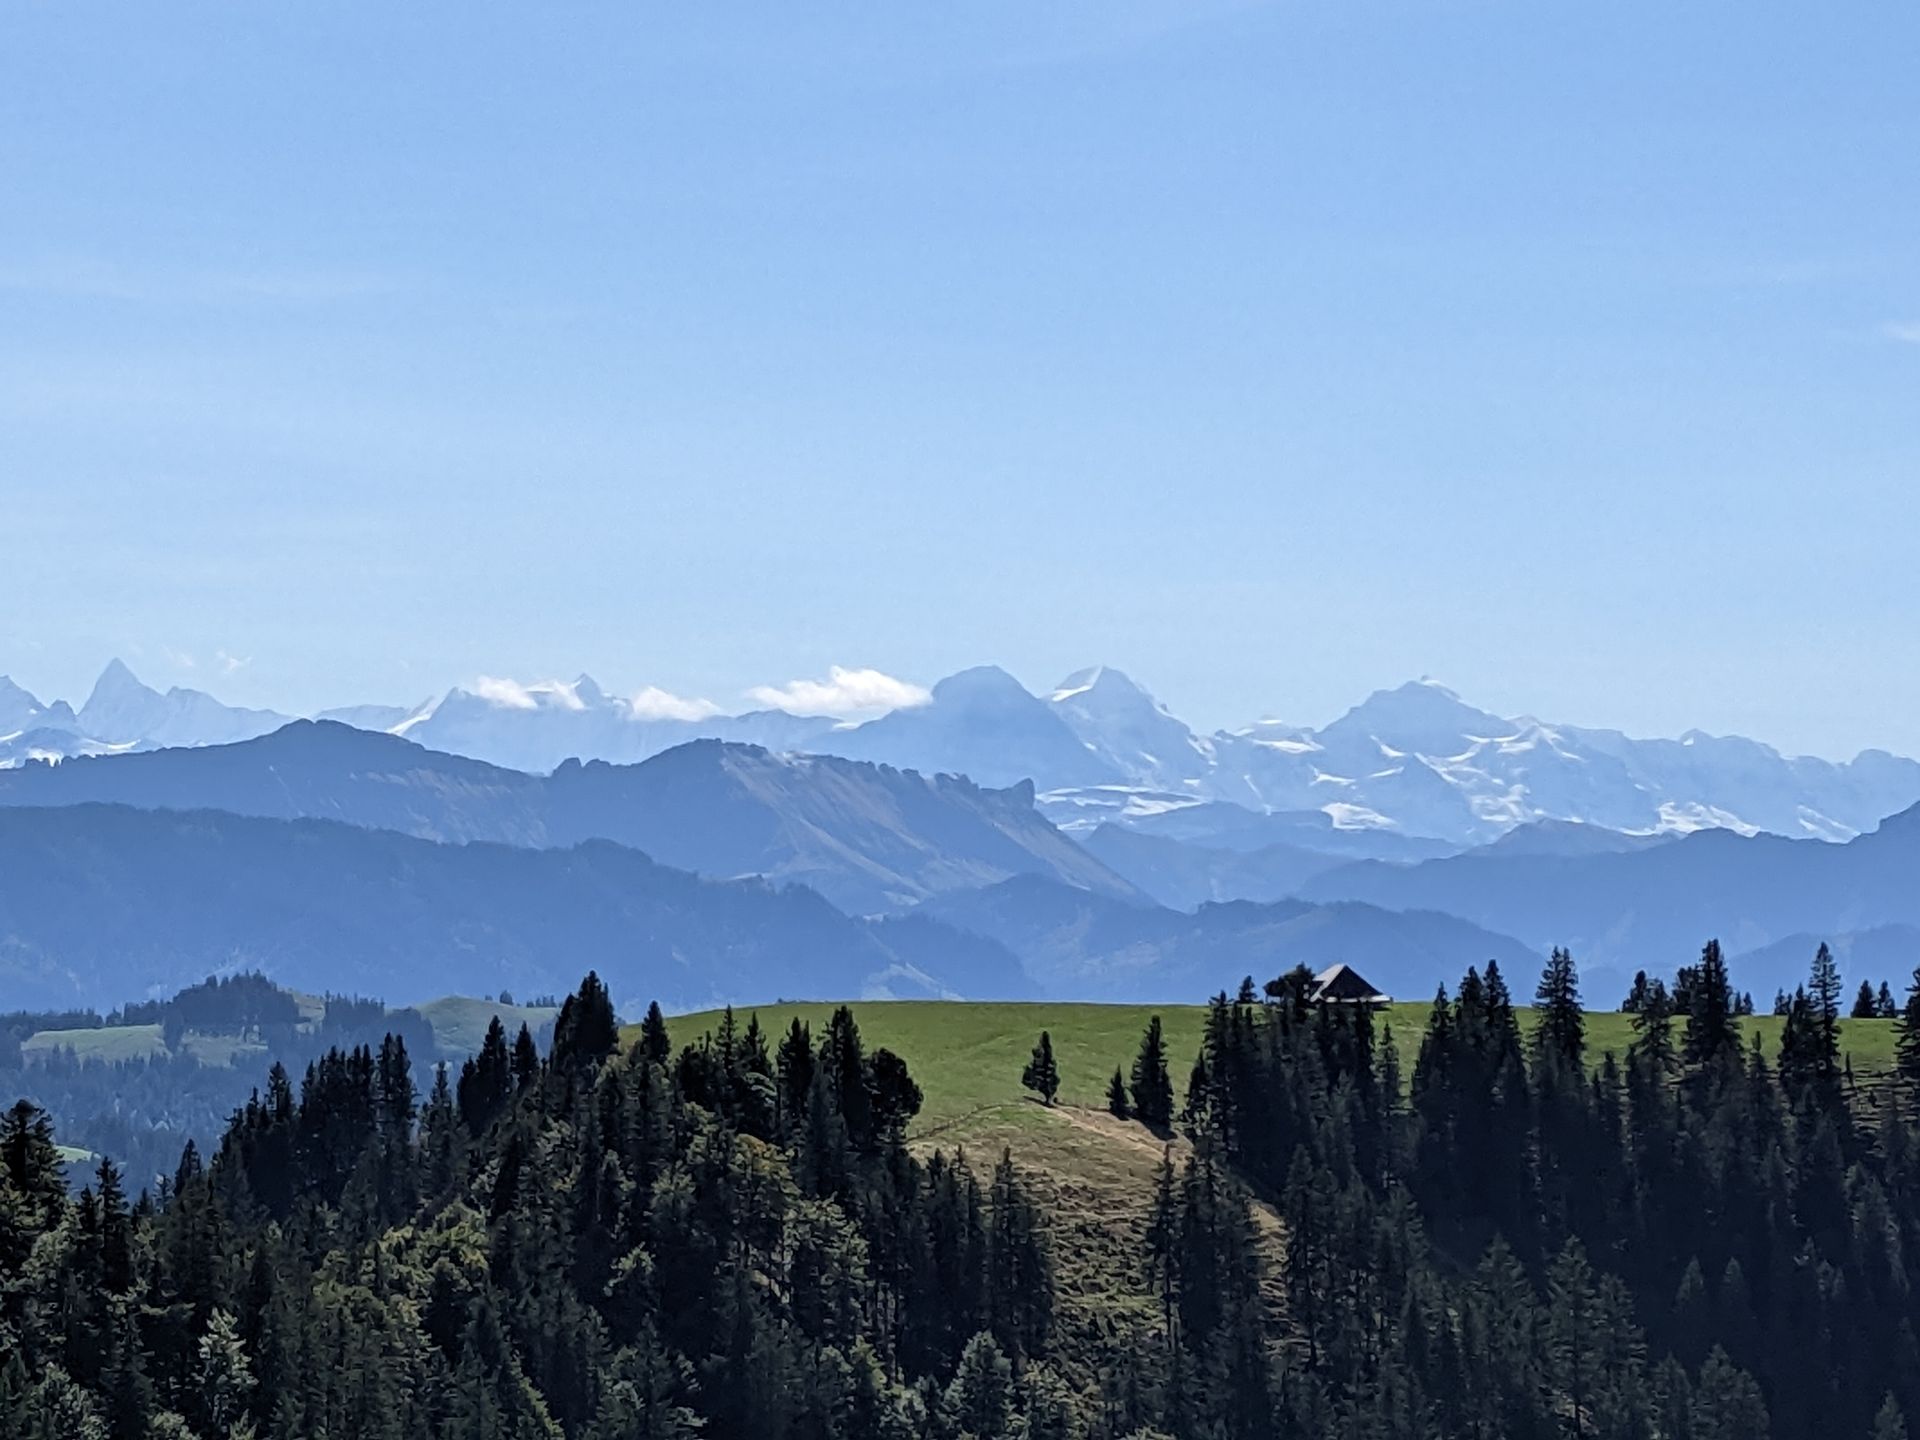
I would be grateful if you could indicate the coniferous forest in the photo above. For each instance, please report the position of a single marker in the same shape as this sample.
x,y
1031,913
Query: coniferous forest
x,y
1490,1233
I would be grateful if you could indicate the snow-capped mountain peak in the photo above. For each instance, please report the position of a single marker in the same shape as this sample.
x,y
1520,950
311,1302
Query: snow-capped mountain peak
x,y
1415,759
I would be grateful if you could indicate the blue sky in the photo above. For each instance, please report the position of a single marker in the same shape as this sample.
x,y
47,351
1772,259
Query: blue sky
x,y
1272,352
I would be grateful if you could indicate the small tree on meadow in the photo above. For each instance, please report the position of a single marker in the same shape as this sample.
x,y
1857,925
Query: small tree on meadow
x,y
1042,1075
1117,1095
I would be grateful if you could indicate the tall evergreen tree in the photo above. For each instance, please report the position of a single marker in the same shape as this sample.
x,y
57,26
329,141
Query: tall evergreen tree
x,y
1042,1074
1151,1086
1823,990
587,1029
1710,1034
655,1044
1560,1037
1906,1063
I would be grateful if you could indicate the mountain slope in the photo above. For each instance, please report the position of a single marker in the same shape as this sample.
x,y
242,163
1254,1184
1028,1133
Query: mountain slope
x,y
1075,944
868,837
1130,731
1184,876
1654,908
306,770
101,902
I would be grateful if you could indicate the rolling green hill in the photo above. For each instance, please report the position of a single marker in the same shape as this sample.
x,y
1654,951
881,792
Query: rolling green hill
x,y
460,1022
459,1025
1095,1172
967,1057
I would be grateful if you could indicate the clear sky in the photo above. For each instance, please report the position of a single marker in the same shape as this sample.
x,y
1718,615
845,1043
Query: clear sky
x,y
1567,352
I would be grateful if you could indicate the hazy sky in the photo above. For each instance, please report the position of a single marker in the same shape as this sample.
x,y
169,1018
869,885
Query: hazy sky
x,y
1569,353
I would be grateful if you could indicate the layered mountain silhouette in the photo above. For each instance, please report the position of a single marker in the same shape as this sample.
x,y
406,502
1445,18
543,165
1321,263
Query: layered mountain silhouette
x,y
1651,908
869,837
1171,897
1411,766
1076,943
99,902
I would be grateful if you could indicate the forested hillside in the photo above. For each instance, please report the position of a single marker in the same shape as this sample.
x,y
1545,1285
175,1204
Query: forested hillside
x,y
1492,1233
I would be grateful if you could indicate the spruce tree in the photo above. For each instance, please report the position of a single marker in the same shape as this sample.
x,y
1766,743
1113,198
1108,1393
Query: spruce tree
x,y
1906,1048
1823,989
1866,1005
1117,1095
1042,1074
1560,1038
1710,1033
587,1029
655,1044
1151,1087
526,1059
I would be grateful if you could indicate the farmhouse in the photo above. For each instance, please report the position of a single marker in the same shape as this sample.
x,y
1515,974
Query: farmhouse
x,y
1344,985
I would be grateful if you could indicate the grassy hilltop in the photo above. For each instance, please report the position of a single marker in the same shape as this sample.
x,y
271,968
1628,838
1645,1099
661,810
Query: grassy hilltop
x,y
1095,1172
968,1056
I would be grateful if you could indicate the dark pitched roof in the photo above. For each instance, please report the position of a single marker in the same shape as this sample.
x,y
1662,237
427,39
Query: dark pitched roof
x,y
1342,983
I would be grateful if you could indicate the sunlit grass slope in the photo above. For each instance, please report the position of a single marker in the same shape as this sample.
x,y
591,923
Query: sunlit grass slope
x,y
1094,1173
967,1057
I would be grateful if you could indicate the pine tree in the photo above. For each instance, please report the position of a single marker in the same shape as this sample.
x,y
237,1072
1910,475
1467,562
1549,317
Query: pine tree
x,y
979,1402
895,1097
225,1374
1151,1086
1865,1005
1197,1110
1163,1234
1710,1033
1727,1403
1019,1269
587,1029
1883,1005
1560,1038
1042,1074
1117,1095
1823,990
793,1068
486,1080
655,1044
526,1059
1906,1063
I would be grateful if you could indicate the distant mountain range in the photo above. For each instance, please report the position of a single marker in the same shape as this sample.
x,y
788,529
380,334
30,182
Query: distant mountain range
x,y
1405,775
1769,900
331,855
103,901
870,838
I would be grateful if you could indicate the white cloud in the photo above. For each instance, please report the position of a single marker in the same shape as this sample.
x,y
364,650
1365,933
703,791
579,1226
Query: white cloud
x,y
1907,332
844,694
653,703
507,694
229,664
